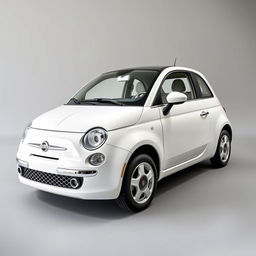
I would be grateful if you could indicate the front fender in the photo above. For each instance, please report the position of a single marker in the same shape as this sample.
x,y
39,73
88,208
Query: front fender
x,y
133,137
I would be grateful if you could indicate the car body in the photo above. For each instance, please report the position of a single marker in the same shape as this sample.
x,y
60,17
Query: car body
x,y
168,118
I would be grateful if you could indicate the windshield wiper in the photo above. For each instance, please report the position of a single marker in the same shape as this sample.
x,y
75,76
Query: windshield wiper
x,y
83,102
76,101
103,100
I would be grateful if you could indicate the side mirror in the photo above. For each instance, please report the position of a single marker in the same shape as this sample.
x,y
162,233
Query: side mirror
x,y
174,98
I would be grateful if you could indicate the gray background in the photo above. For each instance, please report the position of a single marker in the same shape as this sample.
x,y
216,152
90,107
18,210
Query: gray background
x,y
49,49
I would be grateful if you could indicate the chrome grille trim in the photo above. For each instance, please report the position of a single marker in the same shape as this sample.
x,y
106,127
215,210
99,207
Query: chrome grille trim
x,y
50,147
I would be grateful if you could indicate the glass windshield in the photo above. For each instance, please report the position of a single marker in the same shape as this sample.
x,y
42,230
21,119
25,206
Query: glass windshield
x,y
117,88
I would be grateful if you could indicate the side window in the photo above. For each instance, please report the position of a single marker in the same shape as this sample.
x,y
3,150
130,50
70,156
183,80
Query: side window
x,y
175,82
203,87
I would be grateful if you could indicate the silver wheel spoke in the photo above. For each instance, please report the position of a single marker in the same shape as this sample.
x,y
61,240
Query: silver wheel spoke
x,y
141,170
147,192
135,182
150,175
138,195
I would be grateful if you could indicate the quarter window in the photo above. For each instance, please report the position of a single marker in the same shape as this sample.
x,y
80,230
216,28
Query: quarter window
x,y
204,89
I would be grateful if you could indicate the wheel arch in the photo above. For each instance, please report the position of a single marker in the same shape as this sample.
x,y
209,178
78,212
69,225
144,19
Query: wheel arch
x,y
228,128
222,124
149,150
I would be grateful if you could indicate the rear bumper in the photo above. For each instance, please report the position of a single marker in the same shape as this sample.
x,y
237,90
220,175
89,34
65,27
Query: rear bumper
x,y
103,182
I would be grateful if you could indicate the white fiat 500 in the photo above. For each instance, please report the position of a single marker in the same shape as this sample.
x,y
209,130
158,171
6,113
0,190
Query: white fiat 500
x,y
122,133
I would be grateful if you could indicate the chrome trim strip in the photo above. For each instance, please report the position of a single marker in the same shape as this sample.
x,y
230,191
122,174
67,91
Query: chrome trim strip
x,y
50,147
35,145
76,173
22,163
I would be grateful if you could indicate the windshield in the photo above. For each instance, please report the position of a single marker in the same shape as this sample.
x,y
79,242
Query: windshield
x,y
130,87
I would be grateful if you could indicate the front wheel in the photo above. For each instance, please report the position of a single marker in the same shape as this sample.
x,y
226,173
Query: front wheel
x,y
223,150
139,184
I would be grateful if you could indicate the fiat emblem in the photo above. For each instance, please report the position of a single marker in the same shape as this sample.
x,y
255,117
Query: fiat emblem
x,y
45,146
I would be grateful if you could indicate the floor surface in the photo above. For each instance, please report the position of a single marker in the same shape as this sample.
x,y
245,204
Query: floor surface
x,y
199,211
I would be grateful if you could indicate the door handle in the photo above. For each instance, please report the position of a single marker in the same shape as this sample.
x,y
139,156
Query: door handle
x,y
204,114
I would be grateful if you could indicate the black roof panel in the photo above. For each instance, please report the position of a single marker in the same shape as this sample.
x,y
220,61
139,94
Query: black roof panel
x,y
156,68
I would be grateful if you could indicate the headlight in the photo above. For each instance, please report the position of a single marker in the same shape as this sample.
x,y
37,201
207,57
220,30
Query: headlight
x,y
24,134
94,138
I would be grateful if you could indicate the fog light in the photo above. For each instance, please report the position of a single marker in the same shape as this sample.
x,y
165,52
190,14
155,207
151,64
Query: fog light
x,y
74,183
96,159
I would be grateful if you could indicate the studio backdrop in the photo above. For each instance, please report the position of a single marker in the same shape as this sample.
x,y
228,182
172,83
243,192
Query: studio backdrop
x,y
49,49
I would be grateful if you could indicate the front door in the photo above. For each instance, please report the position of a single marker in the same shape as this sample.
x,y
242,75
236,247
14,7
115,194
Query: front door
x,y
185,129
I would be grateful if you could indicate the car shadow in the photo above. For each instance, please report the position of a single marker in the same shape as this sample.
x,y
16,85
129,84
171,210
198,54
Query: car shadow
x,y
182,177
108,209
103,209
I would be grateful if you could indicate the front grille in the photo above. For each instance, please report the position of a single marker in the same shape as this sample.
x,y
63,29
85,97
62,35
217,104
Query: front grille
x,y
57,180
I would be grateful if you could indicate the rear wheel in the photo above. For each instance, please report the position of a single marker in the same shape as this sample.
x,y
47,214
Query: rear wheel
x,y
139,184
223,150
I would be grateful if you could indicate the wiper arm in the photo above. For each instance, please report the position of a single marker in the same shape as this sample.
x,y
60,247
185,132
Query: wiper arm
x,y
103,100
76,101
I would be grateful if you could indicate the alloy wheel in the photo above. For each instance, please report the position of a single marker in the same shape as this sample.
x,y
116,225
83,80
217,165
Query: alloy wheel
x,y
142,182
224,149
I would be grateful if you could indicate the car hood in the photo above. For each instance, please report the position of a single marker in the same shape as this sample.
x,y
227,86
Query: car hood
x,y
82,118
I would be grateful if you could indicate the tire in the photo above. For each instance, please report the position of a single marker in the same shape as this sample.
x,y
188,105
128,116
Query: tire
x,y
223,150
139,184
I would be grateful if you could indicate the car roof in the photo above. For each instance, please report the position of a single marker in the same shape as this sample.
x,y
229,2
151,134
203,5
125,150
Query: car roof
x,y
156,68
159,69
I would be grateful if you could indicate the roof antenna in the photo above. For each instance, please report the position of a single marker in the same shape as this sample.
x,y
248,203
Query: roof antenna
x,y
175,60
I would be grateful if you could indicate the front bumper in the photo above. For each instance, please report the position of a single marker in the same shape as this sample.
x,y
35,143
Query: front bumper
x,y
103,182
